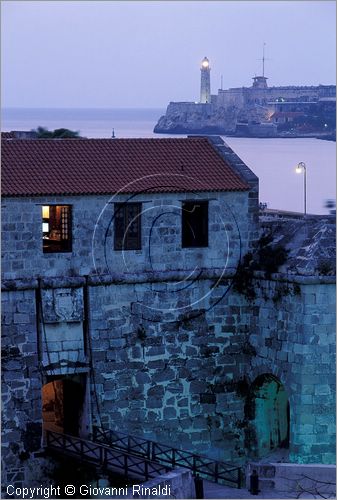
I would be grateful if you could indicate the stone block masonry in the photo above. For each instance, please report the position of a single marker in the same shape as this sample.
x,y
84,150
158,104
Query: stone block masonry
x,y
21,380
93,235
178,367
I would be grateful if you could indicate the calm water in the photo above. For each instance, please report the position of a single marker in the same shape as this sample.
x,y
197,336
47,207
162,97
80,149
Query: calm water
x,y
272,160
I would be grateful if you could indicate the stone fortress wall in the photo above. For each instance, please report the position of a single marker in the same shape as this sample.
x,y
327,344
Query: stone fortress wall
x,y
245,96
157,352
184,379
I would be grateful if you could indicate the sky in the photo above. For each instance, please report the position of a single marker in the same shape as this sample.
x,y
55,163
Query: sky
x,y
111,54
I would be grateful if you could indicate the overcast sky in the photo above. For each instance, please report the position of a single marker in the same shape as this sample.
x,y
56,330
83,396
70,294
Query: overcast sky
x,y
145,54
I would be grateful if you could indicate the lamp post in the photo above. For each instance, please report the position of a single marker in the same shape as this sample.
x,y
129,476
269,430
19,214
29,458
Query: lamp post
x,y
301,167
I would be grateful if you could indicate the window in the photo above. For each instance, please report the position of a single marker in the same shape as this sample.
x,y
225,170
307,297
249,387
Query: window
x,y
56,228
127,226
195,224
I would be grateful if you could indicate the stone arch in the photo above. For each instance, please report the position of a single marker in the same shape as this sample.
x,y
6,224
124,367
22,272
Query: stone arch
x,y
267,412
63,399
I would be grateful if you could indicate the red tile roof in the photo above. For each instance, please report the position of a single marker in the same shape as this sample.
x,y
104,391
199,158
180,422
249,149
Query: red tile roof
x,y
8,135
106,166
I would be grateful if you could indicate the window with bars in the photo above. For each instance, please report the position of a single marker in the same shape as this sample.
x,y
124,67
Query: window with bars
x,y
127,226
194,224
56,228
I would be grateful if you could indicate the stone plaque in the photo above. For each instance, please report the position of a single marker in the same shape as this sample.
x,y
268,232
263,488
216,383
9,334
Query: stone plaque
x,y
62,304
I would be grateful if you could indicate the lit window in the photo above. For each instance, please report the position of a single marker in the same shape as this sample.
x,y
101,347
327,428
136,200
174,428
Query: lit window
x,y
195,224
56,228
127,226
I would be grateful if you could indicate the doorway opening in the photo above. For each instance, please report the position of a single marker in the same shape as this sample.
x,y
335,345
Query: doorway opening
x,y
63,401
268,413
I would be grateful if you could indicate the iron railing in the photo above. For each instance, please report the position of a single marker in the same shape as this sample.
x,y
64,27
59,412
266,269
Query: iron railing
x,y
213,470
113,459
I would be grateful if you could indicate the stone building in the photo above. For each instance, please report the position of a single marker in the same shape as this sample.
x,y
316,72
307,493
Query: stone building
x,y
130,302
252,106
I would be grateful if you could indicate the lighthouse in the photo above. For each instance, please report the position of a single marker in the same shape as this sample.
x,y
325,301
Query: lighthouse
x,y
205,86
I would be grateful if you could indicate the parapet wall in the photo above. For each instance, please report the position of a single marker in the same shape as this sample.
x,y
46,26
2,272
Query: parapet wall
x,y
314,480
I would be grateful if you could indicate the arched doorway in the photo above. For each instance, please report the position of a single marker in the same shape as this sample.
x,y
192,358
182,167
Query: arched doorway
x,y
267,411
62,404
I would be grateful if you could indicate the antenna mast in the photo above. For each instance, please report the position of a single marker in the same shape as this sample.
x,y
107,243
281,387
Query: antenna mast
x,y
263,58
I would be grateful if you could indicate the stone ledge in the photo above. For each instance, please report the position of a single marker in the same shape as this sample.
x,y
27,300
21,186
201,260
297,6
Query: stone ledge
x,y
156,277
19,284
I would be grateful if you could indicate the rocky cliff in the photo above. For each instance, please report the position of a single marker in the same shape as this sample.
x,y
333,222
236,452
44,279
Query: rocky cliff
x,y
196,118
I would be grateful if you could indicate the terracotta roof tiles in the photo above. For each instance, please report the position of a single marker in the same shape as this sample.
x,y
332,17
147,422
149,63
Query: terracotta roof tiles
x,y
107,166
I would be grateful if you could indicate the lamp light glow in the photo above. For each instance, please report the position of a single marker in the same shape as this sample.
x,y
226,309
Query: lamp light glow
x,y
45,227
301,167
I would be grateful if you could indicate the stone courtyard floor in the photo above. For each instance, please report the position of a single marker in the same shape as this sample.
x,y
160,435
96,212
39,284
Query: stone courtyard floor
x,y
213,490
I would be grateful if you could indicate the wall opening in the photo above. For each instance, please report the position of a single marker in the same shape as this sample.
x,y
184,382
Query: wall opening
x,y
268,414
63,402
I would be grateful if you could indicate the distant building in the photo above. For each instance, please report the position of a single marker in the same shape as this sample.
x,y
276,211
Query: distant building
x,y
249,110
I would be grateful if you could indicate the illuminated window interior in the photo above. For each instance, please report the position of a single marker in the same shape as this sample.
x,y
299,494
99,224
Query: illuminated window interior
x,y
56,228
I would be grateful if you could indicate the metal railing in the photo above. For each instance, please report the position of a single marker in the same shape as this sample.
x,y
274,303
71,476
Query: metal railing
x,y
210,469
99,454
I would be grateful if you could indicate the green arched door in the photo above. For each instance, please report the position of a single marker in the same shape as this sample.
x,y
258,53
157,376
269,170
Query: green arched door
x,y
268,412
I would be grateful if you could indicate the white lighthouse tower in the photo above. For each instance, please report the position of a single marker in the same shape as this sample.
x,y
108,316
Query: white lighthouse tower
x,y
205,87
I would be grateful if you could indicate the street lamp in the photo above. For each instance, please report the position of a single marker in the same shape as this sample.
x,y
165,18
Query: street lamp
x,y
301,167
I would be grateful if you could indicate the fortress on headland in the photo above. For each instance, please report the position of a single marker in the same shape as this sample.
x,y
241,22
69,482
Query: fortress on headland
x,y
256,111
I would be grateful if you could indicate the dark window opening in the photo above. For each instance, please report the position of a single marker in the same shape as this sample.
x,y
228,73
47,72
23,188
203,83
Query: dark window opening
x,y
128,226
56,228
195,224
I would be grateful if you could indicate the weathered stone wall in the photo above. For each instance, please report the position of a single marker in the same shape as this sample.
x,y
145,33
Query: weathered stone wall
x,y
93,231
195,372
165,370
176,365
21,384
295,341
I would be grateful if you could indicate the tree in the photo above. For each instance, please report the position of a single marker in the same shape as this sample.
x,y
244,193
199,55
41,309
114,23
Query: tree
x,y
59,133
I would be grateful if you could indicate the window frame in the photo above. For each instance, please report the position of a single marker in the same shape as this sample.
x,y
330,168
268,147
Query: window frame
x,y
64,245
203,238
123,241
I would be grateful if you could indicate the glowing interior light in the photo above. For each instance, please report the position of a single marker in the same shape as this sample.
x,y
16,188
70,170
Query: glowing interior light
x,y
45,227
45,212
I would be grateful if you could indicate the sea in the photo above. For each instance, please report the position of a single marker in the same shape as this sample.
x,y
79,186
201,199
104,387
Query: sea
x,y
272,160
